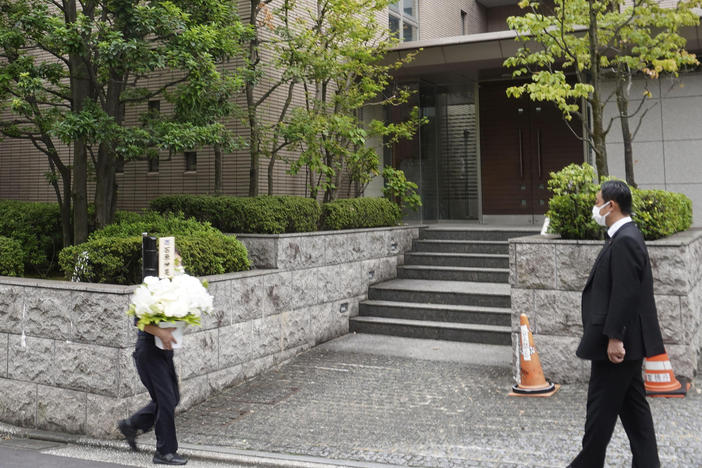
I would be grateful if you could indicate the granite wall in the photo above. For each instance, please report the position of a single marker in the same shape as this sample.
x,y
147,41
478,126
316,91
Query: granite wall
x,y
548,274
66,348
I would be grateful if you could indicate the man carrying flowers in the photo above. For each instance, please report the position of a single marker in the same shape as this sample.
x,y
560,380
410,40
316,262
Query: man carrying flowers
x,y
156,303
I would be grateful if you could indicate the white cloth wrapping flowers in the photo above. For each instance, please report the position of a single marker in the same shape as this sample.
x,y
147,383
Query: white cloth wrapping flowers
x,y
182,297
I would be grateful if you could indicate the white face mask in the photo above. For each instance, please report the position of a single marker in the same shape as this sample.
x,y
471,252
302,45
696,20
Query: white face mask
x,y
599,219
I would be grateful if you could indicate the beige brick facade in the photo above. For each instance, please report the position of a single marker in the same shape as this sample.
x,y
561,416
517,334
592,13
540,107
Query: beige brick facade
x,y
23,168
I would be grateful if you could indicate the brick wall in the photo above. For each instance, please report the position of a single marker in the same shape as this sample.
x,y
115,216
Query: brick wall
x,y
22,167
443,19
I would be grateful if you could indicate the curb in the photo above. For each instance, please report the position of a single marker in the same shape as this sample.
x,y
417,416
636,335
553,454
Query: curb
x,y
199,452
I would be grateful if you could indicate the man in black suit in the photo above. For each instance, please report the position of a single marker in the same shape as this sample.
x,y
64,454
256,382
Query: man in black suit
x,y
620,328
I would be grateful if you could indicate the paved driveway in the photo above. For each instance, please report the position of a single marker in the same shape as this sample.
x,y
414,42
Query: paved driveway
x,y
419,403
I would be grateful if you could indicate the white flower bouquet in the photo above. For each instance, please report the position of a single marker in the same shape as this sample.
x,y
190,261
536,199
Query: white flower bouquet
x,y
182,298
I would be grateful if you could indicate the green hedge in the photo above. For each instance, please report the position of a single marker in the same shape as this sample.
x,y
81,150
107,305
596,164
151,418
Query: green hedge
x,y
134,224
571,216
263,214
359,213
113,254
657,213
11,257
37,228
280,214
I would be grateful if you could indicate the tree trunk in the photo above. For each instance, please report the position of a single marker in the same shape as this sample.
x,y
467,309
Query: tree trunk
x,y
80,93
63,197
67,227
65,205
105,180
105,186
623,106
253,171
217,169
598,132
271,164
254,136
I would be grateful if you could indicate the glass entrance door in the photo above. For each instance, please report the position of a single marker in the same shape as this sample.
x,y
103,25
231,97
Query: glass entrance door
x,y
448,147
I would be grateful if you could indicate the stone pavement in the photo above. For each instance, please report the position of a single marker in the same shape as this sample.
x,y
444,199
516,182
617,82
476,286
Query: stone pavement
x,y
411,402
370,401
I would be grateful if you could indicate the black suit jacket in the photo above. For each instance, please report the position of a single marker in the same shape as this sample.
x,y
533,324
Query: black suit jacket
x,y
618,300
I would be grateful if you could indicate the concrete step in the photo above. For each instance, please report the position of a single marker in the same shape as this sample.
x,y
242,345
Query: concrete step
x,y
489,334
442,292
468,260
460,246
476,233
442,273
436,312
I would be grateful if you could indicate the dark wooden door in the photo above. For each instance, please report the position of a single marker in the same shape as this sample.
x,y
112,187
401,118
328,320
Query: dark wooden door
x,y
521,142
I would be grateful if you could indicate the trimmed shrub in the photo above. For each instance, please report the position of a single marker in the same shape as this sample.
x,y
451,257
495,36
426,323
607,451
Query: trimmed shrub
x,y
212,253
134,224
659,213
656,212
11,257
117,260
355,213
37,228
113,254
114,260
263,214
571,216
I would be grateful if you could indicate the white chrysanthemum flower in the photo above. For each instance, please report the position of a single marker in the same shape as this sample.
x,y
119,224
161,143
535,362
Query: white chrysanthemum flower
x,y
178,297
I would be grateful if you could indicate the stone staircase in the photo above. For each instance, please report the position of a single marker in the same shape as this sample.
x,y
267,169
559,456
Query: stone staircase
x,y
454,286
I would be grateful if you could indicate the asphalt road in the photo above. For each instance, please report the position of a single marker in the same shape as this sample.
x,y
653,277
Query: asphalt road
x,y
31,458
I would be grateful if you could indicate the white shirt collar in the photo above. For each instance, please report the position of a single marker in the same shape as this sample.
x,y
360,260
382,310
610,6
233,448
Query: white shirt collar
x,y
615,227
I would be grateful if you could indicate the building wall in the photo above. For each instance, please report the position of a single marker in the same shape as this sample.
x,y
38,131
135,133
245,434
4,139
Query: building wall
x,y
443,19
497,17
22,167
66,348
667,149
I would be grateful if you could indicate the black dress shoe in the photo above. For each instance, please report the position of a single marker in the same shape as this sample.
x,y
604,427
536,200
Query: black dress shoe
x,y
129,433
169,459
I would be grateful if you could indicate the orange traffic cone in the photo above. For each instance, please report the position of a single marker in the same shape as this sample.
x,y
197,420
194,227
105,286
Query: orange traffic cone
x,y
532,381
659,379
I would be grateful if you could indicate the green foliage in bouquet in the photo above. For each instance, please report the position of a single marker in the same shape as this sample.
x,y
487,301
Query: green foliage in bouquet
x,y
11,257
353,213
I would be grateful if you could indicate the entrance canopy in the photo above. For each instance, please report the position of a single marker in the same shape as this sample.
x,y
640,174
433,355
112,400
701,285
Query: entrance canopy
x,y
464,55
474,52
482,157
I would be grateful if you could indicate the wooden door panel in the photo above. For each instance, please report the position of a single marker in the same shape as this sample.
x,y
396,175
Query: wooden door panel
x,y
504,139
514,176
556,147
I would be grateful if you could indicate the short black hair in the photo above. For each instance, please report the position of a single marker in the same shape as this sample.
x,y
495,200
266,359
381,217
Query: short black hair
x,y
618,191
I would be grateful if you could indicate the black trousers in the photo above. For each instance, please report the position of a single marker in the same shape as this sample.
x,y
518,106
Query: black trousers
x,y
617,390
157,373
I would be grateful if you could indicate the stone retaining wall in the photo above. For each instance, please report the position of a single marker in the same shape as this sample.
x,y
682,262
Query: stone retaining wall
x,y
66,348
548,274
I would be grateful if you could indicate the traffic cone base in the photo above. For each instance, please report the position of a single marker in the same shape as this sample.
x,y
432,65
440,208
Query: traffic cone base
x,y
659,379
542,392
679,393
532,382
